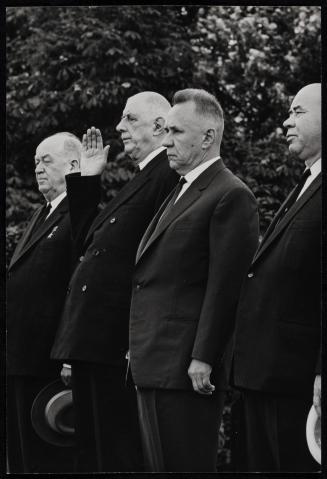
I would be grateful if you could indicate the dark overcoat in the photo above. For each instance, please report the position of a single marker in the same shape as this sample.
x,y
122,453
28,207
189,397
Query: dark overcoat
x,y
38,276
277,346
94,326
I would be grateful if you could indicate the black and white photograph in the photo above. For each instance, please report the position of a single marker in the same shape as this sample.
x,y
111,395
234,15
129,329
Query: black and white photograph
x,y
164,247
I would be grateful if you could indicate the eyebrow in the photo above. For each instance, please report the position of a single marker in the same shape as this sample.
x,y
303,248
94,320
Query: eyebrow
x,y
128,114
41,157
295,108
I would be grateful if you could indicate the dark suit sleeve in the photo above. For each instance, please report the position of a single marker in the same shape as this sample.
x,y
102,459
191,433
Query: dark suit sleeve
x,y
234,232
84,195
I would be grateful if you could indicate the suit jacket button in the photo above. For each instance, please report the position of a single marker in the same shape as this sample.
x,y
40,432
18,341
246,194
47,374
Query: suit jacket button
x,y
96,252
68,289
112,220
250,275
138,286
84,288
81,258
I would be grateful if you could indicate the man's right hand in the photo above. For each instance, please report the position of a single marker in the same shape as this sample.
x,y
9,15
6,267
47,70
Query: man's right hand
x,y
66,375
94,156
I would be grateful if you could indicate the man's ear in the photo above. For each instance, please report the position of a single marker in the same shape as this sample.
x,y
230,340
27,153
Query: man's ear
x,y
159,124
208,138
74,165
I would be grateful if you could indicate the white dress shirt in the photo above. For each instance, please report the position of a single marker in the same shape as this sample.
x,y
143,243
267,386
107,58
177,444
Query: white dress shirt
x,y
193,174
315,170
150,157
54,203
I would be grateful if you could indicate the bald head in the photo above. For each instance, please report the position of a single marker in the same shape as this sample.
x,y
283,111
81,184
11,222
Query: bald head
x,y
142,124
304,124
311,93
55,157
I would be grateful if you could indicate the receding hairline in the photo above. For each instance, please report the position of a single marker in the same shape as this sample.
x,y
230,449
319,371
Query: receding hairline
x,y
156,101
69,141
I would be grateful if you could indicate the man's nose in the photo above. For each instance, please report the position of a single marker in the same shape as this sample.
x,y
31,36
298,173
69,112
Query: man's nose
x,y
288,122
167,141
120,127
39,168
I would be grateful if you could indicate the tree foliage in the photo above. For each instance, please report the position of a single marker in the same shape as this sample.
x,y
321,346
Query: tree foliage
x,y
69,68
255,59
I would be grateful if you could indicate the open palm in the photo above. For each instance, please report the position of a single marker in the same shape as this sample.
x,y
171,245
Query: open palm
x,y
94,156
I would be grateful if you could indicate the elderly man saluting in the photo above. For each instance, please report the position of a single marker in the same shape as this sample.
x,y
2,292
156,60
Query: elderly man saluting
x,y
189,269
38,276
93,335
277,348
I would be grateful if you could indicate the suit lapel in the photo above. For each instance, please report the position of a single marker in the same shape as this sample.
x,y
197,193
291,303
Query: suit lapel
x,y
29,241
25,236
130,189
150,229
186,200
273,233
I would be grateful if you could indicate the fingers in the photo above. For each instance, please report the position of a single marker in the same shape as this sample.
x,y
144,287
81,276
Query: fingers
x,y
317,404
317,395
201,384
84,142
106,151
65,375
93,139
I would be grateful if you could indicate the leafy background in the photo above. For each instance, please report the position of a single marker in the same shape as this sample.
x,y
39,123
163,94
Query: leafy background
x,y
69,68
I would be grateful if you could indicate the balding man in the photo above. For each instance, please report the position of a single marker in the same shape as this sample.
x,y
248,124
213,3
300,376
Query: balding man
x,y
38,276
277,349
94,331
189,269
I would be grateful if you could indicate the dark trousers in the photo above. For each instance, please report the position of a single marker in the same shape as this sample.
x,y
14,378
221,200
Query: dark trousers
x,y
106,420
275,433
27,452
179,429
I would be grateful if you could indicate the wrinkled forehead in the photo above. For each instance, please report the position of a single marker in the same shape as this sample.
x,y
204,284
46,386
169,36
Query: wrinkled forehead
x,y
50,146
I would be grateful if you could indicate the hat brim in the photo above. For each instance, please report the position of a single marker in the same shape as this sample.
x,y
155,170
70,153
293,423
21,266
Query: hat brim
x,y
312,431
38,416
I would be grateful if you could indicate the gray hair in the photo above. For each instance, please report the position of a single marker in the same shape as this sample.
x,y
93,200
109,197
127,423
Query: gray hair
x,y
71,143
205,103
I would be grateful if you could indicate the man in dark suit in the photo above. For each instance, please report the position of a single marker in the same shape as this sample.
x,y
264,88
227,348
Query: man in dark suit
x,y
94,330
277,347
189,268
38,275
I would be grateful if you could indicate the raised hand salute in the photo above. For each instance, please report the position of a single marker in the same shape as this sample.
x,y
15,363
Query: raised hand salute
x,y
94,156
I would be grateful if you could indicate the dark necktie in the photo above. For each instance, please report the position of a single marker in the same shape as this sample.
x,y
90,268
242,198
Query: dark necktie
x,y
172,200
41,218
154,224
291,200
293,197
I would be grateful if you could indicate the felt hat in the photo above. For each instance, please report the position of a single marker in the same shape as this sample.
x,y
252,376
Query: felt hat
x,y
52,414
313,431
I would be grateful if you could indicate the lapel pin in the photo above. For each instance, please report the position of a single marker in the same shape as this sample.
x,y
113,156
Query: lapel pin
x,y
52,232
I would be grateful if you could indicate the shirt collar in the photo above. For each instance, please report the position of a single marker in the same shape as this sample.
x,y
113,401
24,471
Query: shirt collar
x,y
150,157
316,168
193,174
54,203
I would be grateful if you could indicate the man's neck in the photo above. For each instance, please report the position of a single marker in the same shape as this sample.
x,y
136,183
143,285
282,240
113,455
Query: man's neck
x,y
51,198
